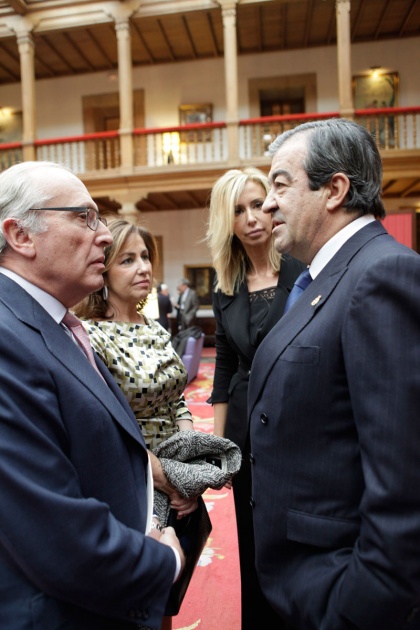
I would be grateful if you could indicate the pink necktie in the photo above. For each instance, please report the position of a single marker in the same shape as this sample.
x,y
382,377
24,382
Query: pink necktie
x,y
75,325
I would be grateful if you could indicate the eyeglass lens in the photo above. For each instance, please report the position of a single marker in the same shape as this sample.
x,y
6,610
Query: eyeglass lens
x,y
93,218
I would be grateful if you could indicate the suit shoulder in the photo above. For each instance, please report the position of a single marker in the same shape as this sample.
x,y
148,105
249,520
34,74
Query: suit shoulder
x,y
290,269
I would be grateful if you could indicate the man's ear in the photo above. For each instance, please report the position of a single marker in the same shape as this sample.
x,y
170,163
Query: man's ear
x,y
338,188
18,238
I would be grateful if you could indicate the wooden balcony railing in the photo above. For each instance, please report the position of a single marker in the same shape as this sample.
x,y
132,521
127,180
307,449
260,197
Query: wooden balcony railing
x,y
186,145
395,129
256,134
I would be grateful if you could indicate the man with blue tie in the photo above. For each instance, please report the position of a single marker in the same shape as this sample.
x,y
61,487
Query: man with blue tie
x,y
334,396
77,545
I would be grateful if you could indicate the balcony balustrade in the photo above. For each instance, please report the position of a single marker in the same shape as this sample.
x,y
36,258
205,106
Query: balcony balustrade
x,y
200,145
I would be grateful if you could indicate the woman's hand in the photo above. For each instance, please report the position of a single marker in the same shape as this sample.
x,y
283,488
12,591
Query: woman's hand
x,y
160,481
179,503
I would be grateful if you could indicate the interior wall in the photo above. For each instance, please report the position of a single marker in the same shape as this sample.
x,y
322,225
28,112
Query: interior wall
x,y
182,235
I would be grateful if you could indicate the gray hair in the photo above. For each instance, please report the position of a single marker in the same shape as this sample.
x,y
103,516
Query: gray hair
x,y
337,145
19,192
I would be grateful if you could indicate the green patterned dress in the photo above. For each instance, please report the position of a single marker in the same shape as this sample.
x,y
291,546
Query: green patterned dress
x,y
148,370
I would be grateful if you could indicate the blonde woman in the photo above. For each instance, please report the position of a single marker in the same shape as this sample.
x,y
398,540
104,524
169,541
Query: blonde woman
x,y
251,290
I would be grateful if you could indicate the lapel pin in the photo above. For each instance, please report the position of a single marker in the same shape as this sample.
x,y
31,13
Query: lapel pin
x,y
315,301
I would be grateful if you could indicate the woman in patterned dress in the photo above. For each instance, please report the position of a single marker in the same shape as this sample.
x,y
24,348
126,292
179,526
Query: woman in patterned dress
x,y
250,294
137,349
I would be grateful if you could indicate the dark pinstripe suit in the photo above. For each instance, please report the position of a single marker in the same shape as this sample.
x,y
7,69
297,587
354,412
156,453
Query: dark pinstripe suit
x,y
334,399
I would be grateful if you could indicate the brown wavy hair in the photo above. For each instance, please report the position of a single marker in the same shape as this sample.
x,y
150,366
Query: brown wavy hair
x,y
94,306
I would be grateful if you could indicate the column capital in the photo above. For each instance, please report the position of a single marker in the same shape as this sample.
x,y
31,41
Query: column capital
x,y
228,4
25,39
20,25
342,5
121,12
122,25
228,7
128,210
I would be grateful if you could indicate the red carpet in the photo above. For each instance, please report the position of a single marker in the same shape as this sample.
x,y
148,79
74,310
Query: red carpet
x,y
212,601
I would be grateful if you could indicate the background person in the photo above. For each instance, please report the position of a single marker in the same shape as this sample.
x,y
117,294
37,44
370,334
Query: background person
x,y
136,349
165,305
334,394
73,462
252,288
187,305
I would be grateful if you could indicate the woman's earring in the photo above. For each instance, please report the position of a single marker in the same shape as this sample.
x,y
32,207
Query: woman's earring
x,y
140,306
105,293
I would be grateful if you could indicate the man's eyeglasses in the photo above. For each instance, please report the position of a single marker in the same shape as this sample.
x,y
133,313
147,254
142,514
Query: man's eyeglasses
x,y
92,215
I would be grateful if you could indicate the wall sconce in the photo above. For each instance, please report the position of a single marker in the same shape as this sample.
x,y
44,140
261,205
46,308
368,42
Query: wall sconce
x,y
375,71
5,114
171,146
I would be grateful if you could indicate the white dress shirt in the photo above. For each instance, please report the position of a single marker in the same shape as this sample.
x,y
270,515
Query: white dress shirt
x,y
332,246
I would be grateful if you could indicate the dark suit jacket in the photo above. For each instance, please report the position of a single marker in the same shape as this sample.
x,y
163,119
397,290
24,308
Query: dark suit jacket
x,y
165,308
235,351
72,485
335,434
186,316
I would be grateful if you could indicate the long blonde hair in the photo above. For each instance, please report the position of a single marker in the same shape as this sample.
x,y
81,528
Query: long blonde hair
x,y
230,259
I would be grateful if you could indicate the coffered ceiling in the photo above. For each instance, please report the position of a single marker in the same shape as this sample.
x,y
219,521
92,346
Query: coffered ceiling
x,y
78,37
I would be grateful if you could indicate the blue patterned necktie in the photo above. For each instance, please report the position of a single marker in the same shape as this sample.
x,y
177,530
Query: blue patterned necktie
x,y
298,288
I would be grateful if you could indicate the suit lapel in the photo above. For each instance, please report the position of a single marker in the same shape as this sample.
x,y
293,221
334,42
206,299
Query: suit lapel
x,y
62,347
236,310
287,328
315,296
285,284
108,393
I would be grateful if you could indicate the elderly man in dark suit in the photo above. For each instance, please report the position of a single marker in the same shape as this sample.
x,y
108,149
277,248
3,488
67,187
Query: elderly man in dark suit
x,y
334,397
187,306
74,516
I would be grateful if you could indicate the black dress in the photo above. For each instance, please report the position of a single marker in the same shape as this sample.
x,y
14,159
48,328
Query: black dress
x,y
242,322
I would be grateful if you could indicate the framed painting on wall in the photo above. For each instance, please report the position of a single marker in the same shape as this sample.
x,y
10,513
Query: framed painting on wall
x,y
11,127
202,279
376,90
193,114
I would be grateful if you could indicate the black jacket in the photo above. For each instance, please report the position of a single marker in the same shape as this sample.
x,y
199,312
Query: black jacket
x,y
234,352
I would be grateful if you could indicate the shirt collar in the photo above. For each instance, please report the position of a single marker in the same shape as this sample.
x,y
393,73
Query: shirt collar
x,y
47,301
332,246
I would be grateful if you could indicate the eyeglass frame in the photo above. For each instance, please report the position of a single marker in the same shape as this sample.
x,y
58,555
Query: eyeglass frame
x,y
92,225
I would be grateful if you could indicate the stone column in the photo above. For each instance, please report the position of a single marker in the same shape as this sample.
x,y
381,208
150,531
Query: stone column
x,y
125,79
27,69
344,58
231,78
128,200
121,13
